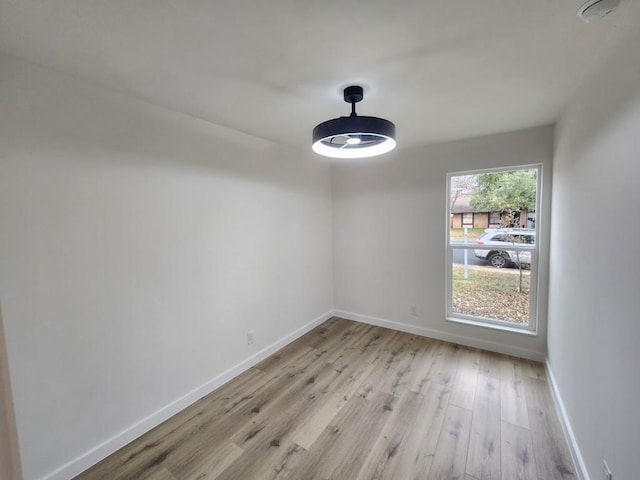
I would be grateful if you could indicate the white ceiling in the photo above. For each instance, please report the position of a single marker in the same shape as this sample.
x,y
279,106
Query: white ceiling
x,y
440,70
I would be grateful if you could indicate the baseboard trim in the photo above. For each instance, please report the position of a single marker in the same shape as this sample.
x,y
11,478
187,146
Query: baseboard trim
x,y
446,336
574,448
118,441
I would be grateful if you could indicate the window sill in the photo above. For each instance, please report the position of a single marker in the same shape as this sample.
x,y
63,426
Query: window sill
x,y
493,326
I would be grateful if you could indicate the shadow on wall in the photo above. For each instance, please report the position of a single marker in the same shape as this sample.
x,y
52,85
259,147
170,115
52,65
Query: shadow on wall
x,y
9,453
132,131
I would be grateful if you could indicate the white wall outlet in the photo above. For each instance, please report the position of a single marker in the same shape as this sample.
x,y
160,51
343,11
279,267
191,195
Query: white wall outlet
x,y
607,471
413,310
250,336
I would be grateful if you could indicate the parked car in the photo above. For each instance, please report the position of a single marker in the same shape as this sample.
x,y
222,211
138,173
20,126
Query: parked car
x,y
500,239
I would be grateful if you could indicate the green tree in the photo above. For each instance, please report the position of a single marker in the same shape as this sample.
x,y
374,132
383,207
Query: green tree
x,y
513,191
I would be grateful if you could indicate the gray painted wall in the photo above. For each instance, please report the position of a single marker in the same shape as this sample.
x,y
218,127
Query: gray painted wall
x,y
138,247
594,321
389,227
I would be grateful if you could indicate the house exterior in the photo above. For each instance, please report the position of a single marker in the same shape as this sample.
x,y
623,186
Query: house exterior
x,y
464,215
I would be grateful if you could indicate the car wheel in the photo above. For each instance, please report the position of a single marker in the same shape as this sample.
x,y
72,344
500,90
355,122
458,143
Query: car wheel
x,y
498,260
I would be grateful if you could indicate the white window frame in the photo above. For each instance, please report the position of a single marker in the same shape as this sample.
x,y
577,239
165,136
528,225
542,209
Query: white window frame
x,y
532,326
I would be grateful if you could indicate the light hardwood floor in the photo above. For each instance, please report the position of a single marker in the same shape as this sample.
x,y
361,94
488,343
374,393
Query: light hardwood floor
x,y
350,401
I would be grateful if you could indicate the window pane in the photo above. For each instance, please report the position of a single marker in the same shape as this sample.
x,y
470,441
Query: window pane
x,y
493,212
504,199
488,292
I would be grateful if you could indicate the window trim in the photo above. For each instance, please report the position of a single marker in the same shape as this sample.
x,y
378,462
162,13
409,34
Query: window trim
x,y
534,298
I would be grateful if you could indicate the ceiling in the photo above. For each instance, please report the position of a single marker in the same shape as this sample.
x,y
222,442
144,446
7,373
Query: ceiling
x,y
441,70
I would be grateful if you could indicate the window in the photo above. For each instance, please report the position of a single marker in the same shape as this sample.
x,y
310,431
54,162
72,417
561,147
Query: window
x,y
492,273
467,219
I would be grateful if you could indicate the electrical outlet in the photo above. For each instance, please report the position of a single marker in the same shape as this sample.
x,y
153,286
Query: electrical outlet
x,y
413,310
607,471
250,337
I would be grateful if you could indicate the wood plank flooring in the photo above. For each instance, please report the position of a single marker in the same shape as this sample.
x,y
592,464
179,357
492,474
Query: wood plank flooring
x,y
349,401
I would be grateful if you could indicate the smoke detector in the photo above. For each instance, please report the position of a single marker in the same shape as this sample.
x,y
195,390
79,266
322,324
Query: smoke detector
x,y
594,10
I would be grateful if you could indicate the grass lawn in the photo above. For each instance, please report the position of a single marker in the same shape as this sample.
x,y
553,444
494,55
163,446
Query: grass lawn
x,y
492,293
457,234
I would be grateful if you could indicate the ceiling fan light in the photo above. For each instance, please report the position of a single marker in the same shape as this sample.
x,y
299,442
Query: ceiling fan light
x,y
354,136
379,149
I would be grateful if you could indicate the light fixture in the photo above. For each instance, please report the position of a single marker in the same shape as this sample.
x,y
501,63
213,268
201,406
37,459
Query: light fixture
x,y
354,136
595,10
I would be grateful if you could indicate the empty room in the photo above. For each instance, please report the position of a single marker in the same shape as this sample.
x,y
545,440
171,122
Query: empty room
x,y
319,240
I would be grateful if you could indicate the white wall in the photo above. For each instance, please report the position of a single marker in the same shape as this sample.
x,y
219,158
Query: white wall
x,y
389,235
594,321
137,248
10,466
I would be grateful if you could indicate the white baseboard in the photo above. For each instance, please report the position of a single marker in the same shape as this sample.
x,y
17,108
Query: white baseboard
x,y
118,441
578,461
440,335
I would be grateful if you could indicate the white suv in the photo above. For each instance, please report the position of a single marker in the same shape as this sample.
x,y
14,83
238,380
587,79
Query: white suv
x,y
501,238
